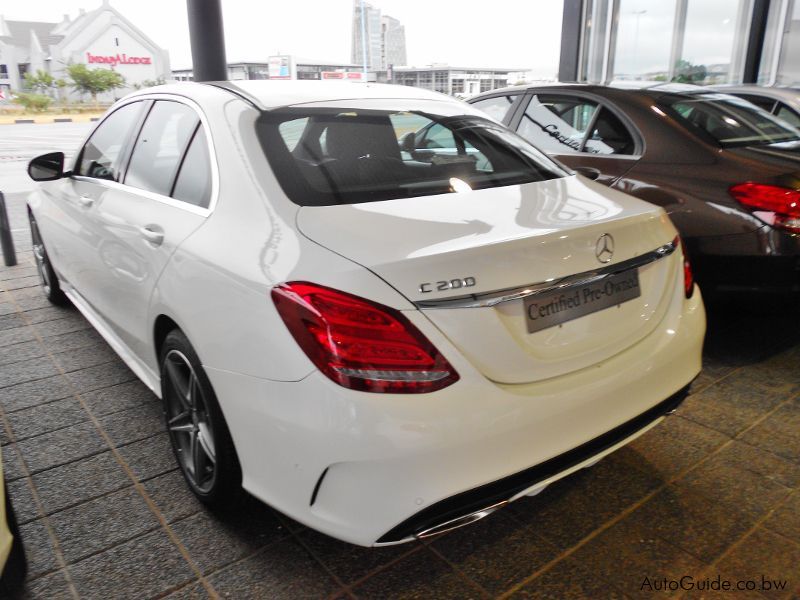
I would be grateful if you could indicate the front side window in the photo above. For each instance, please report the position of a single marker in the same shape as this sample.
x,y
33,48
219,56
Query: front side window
x,y
557,124
101,155
160,146
729,121
785,113
496,107
766,104
328,156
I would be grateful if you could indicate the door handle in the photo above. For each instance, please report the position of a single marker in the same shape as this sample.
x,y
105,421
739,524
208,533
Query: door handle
x,y
152,234
85,201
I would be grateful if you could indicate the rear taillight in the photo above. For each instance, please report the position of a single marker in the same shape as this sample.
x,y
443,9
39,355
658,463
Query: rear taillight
x,y
360,344
775,205
688,276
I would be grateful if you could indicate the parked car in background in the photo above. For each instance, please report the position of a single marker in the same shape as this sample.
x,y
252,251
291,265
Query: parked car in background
x,y
382,337
726,171
783,102
13,565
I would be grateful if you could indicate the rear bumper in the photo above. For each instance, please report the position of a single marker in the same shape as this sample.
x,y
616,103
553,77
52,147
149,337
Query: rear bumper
x,y
500,492
764,261
357,466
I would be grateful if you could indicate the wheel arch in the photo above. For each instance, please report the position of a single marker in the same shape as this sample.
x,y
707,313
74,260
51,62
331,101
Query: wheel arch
x,y
161,327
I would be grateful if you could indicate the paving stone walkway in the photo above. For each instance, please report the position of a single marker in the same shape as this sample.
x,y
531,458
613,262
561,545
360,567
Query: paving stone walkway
x,y
714,490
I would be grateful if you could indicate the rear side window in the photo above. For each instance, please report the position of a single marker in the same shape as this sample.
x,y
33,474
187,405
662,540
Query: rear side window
x,y
328,156
160,146
557,124
496,107
193,184
101,155
609,136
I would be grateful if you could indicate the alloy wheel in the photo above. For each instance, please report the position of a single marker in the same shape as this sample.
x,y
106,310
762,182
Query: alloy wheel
x,y
40,256
189,422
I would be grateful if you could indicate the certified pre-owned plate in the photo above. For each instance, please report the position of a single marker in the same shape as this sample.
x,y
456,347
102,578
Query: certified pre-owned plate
x,y
559,306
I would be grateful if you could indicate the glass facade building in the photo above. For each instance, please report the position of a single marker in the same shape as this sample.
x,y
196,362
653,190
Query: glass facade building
x,y
378,40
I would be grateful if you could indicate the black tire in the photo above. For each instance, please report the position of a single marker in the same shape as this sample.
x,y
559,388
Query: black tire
x,y
197,429
47,276
13,574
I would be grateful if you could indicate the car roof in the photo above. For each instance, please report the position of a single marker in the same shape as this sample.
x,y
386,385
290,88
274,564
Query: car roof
x,y
789,94
270,94
655,87
621,90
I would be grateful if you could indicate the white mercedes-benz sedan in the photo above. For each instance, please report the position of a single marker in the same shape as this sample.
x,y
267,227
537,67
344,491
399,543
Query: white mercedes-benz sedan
x,y
370,306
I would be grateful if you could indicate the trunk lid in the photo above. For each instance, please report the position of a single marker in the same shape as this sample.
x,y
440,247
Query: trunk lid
x,y
506,238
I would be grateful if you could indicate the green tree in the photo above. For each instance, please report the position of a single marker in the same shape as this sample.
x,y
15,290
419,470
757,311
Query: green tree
x,y
41,81
686,72
32,102
94,81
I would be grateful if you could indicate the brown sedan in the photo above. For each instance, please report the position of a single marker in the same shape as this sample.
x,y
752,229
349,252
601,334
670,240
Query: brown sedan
x,y
727,171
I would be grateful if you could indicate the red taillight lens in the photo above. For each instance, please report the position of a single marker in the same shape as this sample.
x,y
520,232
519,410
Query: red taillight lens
x,y
360,344
775,205
688,276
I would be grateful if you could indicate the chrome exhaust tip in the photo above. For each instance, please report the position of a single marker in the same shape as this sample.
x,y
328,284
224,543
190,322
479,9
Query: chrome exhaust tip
x,y
460,521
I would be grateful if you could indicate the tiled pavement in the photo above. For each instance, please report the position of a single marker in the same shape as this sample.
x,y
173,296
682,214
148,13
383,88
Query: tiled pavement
x,y
712,491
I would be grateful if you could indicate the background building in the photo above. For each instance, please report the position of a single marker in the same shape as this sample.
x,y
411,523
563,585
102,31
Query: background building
x,y
284,67
385,38
98,38
456,81
393,43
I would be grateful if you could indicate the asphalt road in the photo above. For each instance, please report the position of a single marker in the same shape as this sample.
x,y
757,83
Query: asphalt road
x,y
19,144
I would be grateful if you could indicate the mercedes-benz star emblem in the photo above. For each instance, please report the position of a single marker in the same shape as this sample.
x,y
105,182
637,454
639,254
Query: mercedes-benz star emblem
x,y
604,250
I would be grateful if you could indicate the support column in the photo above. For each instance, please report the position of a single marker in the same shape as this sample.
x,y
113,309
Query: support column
x,y
208,40
570,40
755,41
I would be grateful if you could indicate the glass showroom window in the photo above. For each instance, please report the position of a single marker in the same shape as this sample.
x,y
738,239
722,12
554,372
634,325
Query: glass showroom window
x,y
644,40
714,41
690,41
780,62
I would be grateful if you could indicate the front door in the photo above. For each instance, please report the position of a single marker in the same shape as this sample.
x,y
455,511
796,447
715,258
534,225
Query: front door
x,y
138,223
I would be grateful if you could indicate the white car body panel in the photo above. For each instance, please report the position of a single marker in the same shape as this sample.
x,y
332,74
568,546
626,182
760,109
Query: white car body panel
x,y
385,456
6,539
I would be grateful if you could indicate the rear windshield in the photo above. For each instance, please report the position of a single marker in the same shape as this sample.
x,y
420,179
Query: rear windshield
x,y
730,121
328,156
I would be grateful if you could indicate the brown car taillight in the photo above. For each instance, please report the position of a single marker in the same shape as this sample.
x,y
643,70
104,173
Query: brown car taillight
x,y
774,205
360,344
688,276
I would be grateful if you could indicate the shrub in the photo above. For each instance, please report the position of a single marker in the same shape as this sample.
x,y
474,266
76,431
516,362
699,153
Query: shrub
x,y
33,102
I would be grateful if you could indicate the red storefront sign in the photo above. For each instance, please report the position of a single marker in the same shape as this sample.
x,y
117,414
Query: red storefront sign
x,y
119,59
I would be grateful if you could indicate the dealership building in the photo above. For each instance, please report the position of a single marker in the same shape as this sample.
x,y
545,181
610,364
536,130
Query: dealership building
x,y
285,67
103,37
456,81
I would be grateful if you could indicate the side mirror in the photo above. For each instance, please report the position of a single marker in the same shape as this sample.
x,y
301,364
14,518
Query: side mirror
x,y
588,172
408,143
47,167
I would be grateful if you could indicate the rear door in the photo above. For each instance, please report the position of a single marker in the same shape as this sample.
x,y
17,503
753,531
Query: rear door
x,y
580,132
165,196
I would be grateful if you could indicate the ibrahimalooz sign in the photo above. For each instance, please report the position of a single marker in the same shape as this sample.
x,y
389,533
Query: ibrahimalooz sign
x,y
119,59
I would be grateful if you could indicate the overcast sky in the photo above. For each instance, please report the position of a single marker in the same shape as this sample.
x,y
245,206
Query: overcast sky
x,y
522,34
